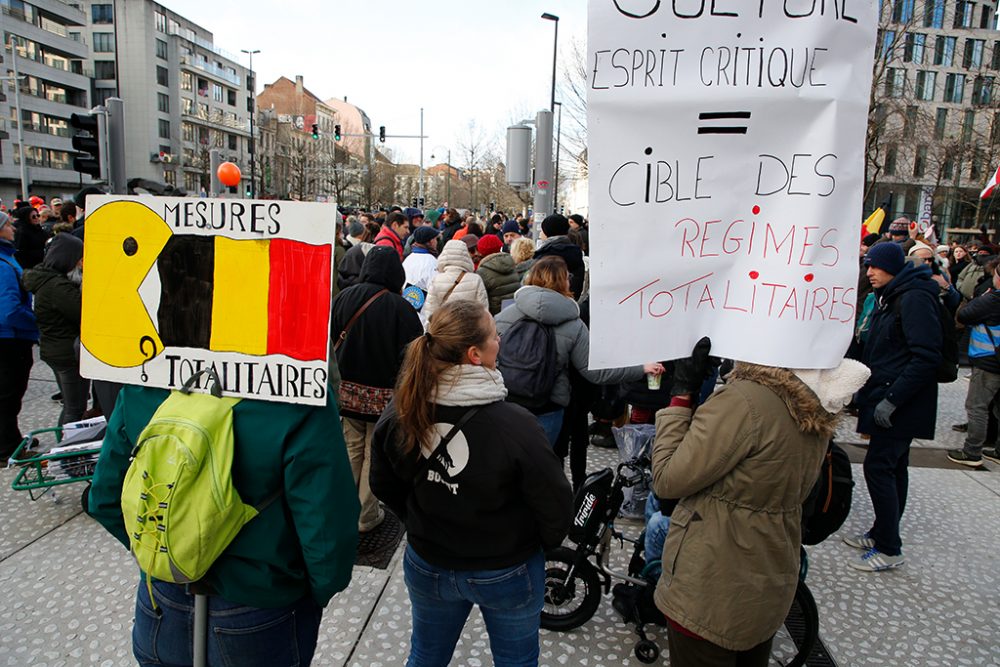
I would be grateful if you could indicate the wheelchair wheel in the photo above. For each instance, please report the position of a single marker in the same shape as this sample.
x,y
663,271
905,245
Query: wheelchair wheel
x,y
569,603
647,651
802,625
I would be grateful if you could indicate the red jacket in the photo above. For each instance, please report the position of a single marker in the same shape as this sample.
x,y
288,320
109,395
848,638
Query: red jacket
x,y
389,238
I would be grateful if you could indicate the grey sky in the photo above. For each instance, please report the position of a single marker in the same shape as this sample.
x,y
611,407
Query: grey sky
x,y
460,60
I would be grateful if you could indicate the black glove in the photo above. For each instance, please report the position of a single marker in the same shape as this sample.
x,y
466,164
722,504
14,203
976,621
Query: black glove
x,y
883,413
689,374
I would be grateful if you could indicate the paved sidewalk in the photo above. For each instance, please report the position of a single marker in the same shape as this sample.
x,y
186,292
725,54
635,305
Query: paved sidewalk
x,y
68,586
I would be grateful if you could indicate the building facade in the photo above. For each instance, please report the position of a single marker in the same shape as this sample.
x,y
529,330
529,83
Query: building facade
x,y
51,58
184,96
934,127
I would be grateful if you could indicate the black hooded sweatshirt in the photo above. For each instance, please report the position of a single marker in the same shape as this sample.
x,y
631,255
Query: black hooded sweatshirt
x,y
370,356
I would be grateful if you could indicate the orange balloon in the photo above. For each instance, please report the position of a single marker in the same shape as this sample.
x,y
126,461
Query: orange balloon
x,y
229,174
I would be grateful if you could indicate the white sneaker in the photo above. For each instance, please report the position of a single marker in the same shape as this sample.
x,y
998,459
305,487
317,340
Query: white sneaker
x,y
874,560
860,541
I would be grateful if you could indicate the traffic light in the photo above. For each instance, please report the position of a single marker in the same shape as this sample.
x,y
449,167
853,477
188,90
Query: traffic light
x,y
91,131
315,129
413,202
336,132
421,202
381,133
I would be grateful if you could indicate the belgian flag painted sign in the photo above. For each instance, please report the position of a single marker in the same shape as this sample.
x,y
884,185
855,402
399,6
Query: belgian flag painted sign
x,y
175,285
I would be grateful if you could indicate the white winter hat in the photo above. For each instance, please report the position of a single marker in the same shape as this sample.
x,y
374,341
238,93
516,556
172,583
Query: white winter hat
x,y
835,386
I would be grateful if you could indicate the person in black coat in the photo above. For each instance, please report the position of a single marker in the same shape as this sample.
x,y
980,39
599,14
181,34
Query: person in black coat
x,y
29,238
899,401
369,354
555,229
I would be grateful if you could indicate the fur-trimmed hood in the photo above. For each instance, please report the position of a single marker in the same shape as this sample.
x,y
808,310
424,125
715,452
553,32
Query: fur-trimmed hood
x,y
802,403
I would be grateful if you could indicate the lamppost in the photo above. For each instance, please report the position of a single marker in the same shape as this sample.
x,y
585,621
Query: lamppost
x,y
253,136
448,177
555,53
20,118
555,180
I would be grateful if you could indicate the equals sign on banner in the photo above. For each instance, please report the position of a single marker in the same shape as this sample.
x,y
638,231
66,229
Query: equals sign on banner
x,y
729,122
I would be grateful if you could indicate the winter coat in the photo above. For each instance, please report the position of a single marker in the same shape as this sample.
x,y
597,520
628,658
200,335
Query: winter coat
x,y
57,309
903,356
339,250
572,338
350,266
742,465
500,277
978,314
968,278
304,543
448,232
572,254
29,240
387,237
17,320
454,261
956,269
522,269
372,352
420,266
504,498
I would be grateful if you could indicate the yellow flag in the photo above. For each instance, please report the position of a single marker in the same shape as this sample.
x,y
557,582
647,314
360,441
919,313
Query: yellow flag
x,y
874,222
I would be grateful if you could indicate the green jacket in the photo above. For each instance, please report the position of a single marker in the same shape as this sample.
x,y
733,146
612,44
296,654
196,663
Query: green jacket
x,y
303,544
57,310
500,277
338,256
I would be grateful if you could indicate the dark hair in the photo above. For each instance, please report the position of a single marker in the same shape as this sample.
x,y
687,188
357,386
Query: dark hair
x,y
452,216
395,218
550,272
991,266
577,218
580,237
371,231
453,328
68,210
475,228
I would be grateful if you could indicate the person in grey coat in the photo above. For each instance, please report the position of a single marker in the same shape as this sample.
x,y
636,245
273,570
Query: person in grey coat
x,y
546,298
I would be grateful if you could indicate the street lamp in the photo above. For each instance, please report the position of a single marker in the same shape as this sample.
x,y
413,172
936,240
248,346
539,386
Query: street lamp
x,y
555,180
448,177
555,53
253,137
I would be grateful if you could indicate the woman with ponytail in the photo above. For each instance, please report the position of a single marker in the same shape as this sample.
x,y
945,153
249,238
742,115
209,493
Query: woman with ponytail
x,y
480,508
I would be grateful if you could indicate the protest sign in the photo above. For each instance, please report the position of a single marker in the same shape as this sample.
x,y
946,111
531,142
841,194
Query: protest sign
x,y
726,163
175,285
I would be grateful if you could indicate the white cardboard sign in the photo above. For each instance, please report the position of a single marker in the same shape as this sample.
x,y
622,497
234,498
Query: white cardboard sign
x,y
726,164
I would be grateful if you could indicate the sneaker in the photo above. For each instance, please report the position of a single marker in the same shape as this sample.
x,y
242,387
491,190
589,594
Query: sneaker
x,y
992,454
961,428
874,560
860,541
56,396
959,456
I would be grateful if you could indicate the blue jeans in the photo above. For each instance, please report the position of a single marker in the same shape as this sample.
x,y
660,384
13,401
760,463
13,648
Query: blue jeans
x,y
657,527
237,634
551,423
510,599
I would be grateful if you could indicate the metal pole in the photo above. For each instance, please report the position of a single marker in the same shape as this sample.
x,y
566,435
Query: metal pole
x,y
449,177
20,120
543,170
555,53
200,647
115,153
253,135
421,194
555,180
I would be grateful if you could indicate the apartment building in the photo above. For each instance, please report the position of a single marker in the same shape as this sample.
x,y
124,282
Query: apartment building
x,y
51,56
183,95
934,130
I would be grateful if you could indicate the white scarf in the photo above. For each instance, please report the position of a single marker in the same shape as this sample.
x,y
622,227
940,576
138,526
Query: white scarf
x,y
466,384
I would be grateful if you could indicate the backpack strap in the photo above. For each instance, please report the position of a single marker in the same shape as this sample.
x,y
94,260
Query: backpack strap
x,y
452,288
350,323
443,445
215,388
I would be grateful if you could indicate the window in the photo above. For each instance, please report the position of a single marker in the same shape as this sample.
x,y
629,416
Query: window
x,y
191,182
164,129
217,92
161,75
202,111
968,123
926,82
944,51
250,104
902,11
914,51
909,121
888,41
976,166
954,87
187,131
161,49
973,57
948,168
186,81
890,161
920,162
232,142
934,14
982,90
170,177
104,69
231,97
985,19
101,95
104,42
940,123
161,21
895,81
101,13
963,14
163,102
187,106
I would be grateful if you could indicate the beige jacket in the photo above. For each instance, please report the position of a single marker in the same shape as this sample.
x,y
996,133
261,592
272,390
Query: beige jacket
x,y
742,467
454,261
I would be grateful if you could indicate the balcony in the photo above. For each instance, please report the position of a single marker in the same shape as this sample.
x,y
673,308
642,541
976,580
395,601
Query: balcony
x,y
217,118
210,68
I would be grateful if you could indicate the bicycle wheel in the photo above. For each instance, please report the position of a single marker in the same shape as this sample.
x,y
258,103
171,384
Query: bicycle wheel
x,y
568,603
802,624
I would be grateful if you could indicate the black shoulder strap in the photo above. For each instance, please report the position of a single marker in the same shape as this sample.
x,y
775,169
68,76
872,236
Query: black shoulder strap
x,y
443,445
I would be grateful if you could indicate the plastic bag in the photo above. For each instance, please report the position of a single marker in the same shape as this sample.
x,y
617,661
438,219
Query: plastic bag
x,y
634,440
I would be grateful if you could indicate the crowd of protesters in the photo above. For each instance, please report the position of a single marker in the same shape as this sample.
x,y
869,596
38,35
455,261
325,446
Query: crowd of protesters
x,y
422,418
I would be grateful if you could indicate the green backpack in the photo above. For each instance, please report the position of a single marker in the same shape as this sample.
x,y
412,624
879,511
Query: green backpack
x,y
180,506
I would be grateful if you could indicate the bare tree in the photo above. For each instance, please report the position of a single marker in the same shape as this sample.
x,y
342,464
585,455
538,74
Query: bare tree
x,y
472,149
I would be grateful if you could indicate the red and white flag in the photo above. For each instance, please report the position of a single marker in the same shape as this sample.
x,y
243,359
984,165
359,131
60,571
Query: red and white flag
x,y
993,182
